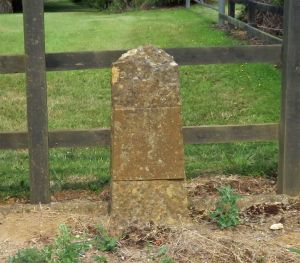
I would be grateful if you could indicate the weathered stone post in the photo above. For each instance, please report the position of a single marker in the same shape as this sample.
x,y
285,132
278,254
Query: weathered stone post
x,y
147,163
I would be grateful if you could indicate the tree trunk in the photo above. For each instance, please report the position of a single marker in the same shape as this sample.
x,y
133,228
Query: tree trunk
x,y
6,6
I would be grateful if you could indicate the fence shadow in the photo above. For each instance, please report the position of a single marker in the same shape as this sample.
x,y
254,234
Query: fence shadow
x,y
67,6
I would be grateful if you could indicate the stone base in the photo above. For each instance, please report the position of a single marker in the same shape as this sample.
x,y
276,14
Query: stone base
x,y
159,201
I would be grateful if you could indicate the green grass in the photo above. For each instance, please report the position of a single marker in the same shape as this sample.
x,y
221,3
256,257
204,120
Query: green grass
x,y
66,248
214,94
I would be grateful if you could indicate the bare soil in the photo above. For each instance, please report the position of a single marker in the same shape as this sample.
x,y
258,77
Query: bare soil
x,y
24,225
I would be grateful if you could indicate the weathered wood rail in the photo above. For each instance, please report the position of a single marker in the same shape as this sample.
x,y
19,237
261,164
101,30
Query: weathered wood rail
x,y
251,4
183,56
38,139
191,135
252,8
251,31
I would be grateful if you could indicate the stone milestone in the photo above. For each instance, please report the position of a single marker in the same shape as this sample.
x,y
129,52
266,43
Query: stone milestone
x,y
147,163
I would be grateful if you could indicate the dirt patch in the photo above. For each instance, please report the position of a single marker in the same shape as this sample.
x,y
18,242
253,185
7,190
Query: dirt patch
x,y
25,225
63,196
207,186
240,34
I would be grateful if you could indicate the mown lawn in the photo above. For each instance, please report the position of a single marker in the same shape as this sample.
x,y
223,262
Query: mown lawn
x,y
214,94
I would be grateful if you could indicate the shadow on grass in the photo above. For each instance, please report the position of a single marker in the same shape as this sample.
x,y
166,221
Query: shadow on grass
x,y
52,6
95,185
15,190
22,190
66,6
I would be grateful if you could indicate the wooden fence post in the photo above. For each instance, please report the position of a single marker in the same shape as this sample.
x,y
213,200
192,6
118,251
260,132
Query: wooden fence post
x,y
252,13
231,8
289,142
221,11
37,115
187,3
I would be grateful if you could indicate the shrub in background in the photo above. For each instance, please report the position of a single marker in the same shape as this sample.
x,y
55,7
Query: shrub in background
x,y
278,2
119,5
99,4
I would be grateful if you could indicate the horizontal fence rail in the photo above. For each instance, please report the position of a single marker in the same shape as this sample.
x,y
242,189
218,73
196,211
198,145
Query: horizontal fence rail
x,y
191,135
183,56
230,133
268,38
261,6
249,27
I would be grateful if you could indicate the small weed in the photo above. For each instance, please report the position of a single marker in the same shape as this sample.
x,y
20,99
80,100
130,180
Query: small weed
x,y
162,251
149,248
166,260
101,259
104,242
294,249
28,255
260,259
226,213
66,248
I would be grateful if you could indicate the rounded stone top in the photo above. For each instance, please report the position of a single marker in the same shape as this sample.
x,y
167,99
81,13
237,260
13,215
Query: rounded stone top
x,y
149,55
146,77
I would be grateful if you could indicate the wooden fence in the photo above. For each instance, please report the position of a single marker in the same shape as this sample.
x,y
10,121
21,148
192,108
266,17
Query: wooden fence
x,y
249,27
252,7
38,139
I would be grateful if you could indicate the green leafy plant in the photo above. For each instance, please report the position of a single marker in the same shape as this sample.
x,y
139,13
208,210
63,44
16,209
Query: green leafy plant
x,y
28,255
104,241
162,251
278,2
66,248
226,213
162,255
293,249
